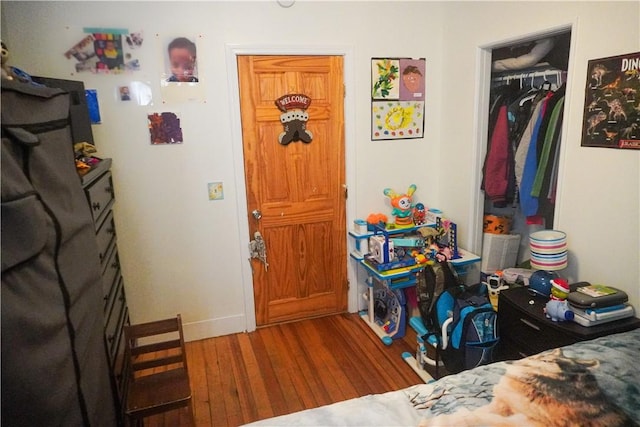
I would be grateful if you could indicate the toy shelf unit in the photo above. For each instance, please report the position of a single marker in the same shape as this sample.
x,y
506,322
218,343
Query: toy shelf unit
x,y
391,258
388,241
361,239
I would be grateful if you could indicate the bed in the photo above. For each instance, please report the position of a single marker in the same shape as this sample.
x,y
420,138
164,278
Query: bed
x,y
591,383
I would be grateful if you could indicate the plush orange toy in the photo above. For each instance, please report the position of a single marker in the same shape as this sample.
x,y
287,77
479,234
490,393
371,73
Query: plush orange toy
x,y
402,205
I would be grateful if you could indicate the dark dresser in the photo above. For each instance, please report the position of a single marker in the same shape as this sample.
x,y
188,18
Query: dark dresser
x,y
98,187
524,329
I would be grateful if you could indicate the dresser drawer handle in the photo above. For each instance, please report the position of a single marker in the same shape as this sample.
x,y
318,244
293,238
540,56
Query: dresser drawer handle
x,y
526,322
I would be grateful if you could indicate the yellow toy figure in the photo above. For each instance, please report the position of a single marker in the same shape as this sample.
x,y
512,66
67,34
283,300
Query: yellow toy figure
x,y
402,206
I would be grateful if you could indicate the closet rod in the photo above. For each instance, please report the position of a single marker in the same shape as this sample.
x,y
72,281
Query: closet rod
x,y
558,74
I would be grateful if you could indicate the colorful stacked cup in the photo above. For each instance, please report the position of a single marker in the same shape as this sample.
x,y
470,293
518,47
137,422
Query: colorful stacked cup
x,y
548,250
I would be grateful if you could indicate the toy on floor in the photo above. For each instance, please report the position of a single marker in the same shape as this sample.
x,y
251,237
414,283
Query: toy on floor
x,y
495,285
402,205
557,309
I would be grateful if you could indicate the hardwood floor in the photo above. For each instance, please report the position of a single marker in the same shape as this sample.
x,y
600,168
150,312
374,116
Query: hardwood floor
x,y
281,369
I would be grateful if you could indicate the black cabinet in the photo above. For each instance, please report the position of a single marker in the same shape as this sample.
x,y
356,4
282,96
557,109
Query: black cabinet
x,y
524,329
98,187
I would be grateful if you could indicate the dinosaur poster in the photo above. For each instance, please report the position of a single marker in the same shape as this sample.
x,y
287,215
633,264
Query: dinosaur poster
x,y
612,103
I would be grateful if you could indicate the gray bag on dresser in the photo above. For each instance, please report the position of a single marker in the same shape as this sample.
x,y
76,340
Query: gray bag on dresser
x,y
54,366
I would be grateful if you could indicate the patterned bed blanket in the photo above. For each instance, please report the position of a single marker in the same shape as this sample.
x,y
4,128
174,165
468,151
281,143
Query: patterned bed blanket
x,y
592,383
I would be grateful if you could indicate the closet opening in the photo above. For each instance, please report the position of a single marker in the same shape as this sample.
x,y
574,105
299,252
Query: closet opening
x,y
520,165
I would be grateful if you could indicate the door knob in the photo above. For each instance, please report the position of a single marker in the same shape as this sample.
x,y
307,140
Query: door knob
x,y
256,213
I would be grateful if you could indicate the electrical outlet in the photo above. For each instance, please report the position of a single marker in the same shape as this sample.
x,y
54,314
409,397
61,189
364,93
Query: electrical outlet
x,y
216,191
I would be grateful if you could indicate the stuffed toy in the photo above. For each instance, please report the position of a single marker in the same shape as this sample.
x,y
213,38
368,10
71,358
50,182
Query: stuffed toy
x,y
7,74
557,309
402,205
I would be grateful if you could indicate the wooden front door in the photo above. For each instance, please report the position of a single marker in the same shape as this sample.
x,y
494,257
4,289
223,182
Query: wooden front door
x,y
297,186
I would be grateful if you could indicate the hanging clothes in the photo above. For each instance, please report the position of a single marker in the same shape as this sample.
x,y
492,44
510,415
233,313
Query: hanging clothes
x,y
546,175
525,140
528,203
497,164
544,167
522,151
498,170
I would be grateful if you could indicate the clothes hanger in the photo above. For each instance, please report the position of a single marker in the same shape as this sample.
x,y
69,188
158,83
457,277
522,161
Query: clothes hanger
x,y
547,84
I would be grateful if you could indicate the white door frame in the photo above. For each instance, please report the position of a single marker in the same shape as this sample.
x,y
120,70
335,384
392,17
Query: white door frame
x,y
231,53
481,124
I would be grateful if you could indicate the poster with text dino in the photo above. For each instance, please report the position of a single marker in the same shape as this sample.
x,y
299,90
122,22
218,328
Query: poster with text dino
x,y
611,116
397,98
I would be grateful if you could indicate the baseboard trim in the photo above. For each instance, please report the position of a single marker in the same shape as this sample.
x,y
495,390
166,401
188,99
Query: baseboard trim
x,y
209,328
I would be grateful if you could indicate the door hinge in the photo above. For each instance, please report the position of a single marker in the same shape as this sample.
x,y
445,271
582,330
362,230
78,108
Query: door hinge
x,y
344,90
346,191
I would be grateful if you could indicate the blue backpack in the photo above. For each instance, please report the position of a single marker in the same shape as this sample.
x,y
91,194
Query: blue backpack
x,y
472,334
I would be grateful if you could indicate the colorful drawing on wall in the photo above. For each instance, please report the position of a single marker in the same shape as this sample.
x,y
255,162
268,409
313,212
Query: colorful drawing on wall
x,y
397,98
106,50
294,118
164,128
412,77
612,103
397,119
384,78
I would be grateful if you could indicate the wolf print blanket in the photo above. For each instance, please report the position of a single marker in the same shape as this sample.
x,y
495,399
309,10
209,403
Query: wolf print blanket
x,y
595,383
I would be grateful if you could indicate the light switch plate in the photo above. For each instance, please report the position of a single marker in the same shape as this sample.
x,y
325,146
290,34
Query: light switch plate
x,y
216,191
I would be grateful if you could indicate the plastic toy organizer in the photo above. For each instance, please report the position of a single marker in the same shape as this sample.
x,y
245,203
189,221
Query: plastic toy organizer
x,y
386,314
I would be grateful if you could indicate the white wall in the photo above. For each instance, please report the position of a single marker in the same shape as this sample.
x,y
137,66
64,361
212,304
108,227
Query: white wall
x,y
181,252
598,204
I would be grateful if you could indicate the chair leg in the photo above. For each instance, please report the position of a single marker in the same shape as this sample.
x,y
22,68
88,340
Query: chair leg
x,y
135,422
191,413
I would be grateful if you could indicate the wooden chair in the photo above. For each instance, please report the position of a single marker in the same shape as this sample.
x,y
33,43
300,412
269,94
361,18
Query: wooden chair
x,y
159,378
